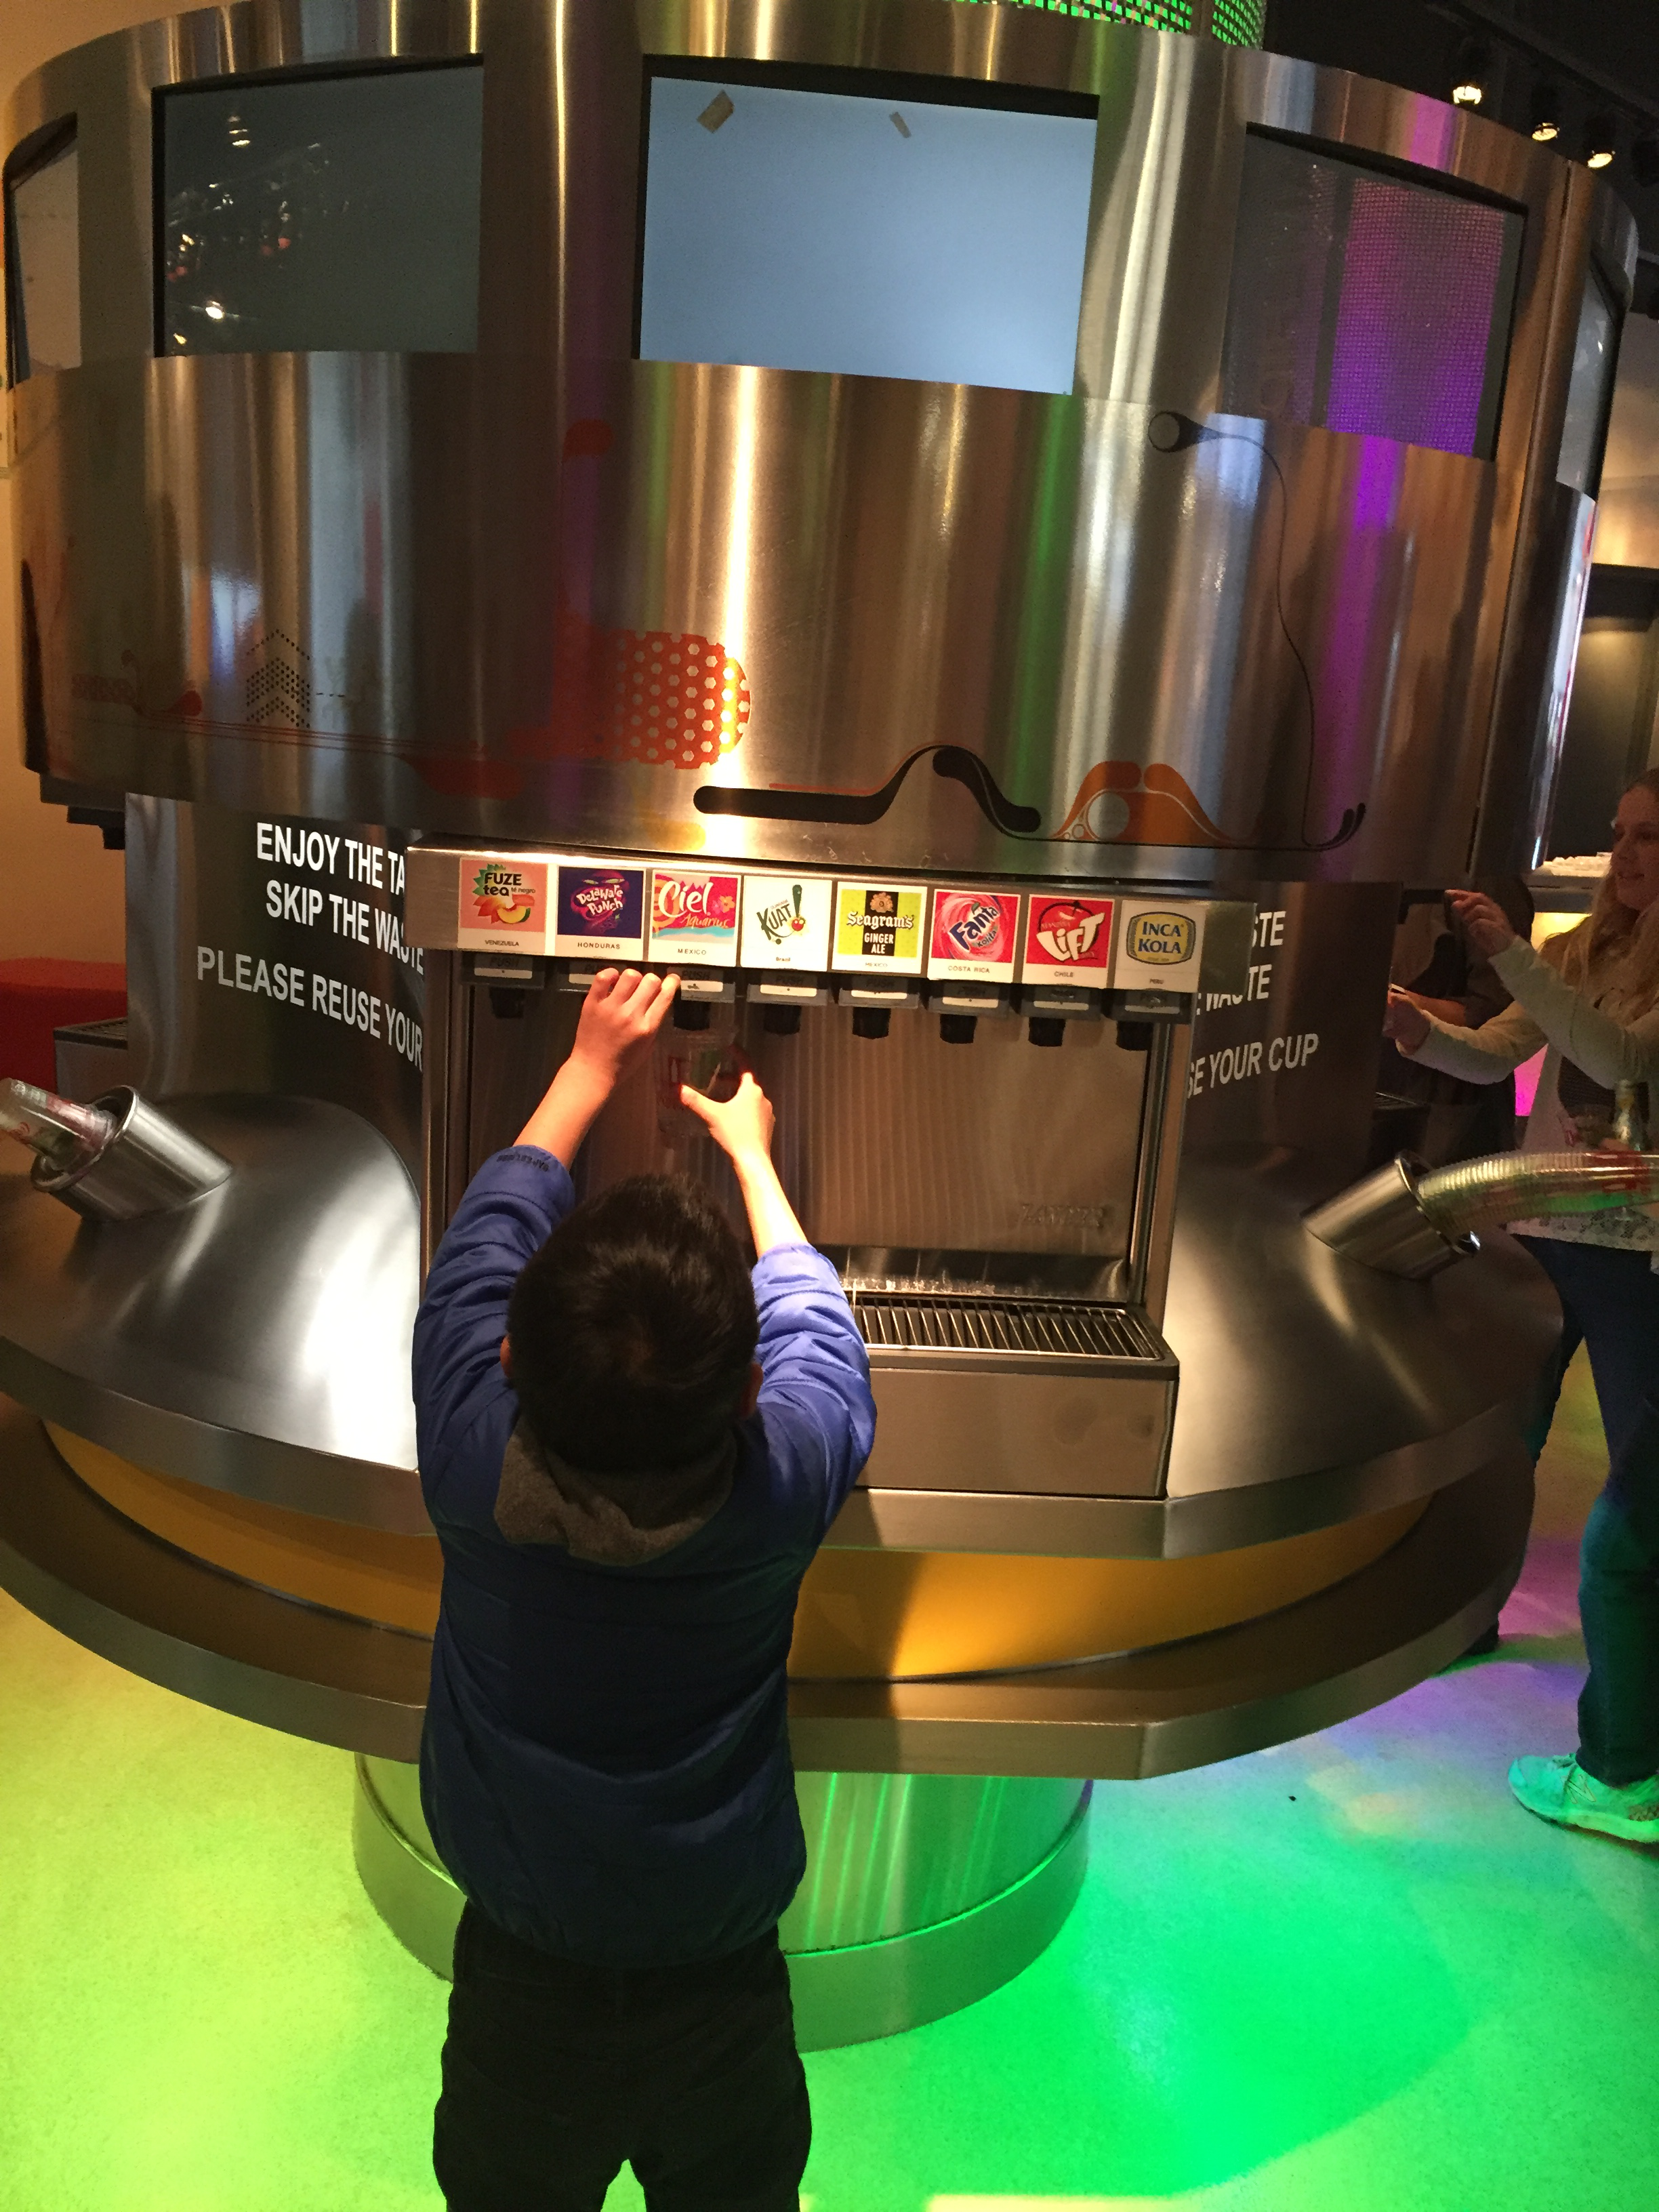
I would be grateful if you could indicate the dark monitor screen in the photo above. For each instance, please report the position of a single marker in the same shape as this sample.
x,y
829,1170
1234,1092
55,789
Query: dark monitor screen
x,y
871,225
321,214
43,252
1368,302
1589,389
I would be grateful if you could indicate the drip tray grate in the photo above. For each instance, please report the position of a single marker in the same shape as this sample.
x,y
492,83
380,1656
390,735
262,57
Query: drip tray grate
x,y
1051,1328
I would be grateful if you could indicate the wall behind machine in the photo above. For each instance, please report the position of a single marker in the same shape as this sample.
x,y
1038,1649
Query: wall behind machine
x,y
60,891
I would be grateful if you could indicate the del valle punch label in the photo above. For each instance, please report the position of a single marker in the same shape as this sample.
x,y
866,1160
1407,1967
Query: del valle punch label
x,y
601,913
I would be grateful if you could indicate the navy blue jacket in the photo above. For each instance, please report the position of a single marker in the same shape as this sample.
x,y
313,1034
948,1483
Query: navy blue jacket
x,y
605,1763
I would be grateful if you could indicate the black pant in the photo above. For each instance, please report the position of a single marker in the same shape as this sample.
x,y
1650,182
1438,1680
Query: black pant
x,y
1610,1302
555,2072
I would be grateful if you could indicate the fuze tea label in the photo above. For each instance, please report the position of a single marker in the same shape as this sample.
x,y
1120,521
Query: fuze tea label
x,y
1157,947
786,922
974,936
601,913
694,917
1068,940
503,906
879,929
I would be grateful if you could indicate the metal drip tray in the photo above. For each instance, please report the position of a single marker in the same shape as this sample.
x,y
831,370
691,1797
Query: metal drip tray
x,y
955,1328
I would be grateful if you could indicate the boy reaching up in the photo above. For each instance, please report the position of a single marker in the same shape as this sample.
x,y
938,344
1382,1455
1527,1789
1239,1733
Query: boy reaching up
x,y
630,1448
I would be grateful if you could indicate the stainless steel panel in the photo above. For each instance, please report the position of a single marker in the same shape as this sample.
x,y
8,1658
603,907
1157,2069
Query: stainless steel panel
x,y
992,1163
109,1584
91,1057
106,1583
1237,1690
233,985
259,1339
1194,665
1086,1435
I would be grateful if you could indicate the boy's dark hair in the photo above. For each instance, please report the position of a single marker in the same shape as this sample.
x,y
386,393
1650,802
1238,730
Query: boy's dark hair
x,y
633,1329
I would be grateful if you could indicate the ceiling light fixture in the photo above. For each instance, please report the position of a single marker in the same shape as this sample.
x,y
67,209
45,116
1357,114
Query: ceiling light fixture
x,y
1601,141
1545,112
1470,78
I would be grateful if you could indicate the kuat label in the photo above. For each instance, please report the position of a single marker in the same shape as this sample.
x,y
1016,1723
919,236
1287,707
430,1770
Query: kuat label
x,y
785,921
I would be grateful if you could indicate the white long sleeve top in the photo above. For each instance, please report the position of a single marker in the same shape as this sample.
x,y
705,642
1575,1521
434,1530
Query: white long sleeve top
x,y
1610,1046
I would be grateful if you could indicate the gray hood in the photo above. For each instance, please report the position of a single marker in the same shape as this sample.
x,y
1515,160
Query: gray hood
x,y
609,1520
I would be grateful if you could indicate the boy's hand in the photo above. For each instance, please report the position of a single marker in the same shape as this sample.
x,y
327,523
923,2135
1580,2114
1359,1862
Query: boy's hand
x,y
741,1125
621,1015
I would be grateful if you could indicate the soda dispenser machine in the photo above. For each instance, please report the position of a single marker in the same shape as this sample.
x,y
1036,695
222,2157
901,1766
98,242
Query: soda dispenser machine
x,y
992,544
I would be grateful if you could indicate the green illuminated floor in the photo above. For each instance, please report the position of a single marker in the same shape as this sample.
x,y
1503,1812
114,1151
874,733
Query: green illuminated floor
x,y
1345,1976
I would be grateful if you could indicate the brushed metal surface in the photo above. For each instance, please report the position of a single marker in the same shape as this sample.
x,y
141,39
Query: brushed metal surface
x,y
1237,1690
1011,1153
1010,1432
256,1340
106,1583
100,1579
861,1987
1195,665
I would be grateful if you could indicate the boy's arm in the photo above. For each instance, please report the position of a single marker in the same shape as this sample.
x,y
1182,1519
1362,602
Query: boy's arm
x,y
512,1206
815,1390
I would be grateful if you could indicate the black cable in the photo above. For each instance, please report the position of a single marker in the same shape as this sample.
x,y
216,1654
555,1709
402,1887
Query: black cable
x,y
1171,432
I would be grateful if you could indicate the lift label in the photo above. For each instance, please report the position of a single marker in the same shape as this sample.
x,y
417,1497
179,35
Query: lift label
x,y
975,936
1068,940
694,917
786,922
879,929
503,906
601,913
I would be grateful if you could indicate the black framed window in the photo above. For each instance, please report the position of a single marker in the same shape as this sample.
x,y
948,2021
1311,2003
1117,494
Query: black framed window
x,y
43,252
1366,299
1589,389
865,223
312,213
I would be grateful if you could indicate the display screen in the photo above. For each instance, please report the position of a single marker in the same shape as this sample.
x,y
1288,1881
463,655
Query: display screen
x,y
1590,391
1364,301
43,254
867,226
322,215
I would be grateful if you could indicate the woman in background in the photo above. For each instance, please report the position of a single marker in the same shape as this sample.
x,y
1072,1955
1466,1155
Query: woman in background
x,y
1592,996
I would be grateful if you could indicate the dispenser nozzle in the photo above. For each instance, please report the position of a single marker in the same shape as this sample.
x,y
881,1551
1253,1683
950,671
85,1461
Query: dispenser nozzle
x,y
61,1133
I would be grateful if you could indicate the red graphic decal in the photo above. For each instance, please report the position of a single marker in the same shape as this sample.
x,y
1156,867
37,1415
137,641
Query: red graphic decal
x,y
469,779
647,695
588,439
1121,802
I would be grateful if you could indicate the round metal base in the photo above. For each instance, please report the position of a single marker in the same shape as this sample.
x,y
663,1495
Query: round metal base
x,y
846,1993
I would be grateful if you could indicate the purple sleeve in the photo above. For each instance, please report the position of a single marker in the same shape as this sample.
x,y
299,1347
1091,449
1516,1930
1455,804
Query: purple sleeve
x,y
815,1402
462,1398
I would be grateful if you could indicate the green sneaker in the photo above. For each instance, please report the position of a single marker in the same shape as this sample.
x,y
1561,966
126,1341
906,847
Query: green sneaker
x,y
1559,1790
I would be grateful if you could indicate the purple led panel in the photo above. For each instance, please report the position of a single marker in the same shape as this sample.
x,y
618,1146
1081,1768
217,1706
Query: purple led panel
x,y
1414,316
1367,302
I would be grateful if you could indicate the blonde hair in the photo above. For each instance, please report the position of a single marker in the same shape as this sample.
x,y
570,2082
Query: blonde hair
x,y
1613,954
